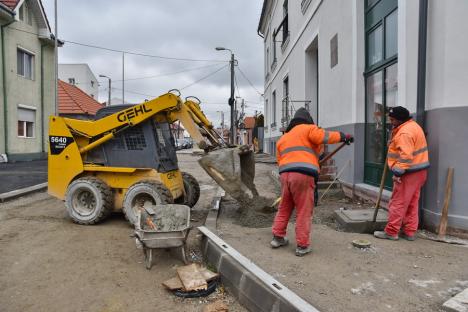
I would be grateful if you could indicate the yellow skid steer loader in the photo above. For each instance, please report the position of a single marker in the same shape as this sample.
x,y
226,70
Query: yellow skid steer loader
x,y
127,156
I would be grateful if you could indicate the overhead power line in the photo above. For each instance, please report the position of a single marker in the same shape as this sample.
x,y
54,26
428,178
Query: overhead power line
x,y
204,77
251,84
142,54
126,51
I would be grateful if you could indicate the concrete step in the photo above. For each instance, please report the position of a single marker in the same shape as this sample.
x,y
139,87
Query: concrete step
x,y
321,185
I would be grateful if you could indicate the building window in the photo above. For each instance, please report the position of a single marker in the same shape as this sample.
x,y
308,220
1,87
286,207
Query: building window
x,y
267,61
273,49
71,81
92,84
273,109
26,120
25,66
285,23
267,116
334,51
381,33
285,102
25,14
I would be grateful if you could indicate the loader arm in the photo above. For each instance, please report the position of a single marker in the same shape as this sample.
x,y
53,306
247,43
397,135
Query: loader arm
x,y
198,126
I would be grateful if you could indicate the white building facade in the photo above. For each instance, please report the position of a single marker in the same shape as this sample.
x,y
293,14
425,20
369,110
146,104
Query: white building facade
x,y
348,61
81,76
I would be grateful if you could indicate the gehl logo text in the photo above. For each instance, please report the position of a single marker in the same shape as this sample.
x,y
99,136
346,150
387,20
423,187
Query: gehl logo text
x,y
133,112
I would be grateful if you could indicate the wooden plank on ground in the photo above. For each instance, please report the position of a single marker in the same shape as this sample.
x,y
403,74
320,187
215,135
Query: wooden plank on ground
x,y
191,278
207,274
448,194
173,283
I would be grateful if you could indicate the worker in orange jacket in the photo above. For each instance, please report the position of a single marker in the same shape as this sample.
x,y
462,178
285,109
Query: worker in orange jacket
x,y
408,159
298,159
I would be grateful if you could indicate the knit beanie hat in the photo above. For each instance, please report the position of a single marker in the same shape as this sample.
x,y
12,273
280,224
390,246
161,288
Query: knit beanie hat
x,y
399,113
303,115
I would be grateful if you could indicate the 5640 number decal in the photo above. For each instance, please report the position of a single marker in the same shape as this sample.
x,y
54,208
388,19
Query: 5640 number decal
x,y
59,143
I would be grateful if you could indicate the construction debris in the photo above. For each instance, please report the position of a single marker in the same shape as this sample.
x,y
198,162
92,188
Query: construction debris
x,y
191,277
217,306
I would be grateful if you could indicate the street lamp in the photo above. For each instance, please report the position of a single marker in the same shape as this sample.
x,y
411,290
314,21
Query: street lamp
x,y
231,98
110,82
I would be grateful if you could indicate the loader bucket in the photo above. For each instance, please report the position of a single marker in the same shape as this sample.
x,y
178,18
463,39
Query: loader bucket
x,y
234,170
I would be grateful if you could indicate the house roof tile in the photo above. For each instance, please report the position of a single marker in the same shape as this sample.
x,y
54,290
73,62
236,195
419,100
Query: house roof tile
x,y
249,122
73,100
10,3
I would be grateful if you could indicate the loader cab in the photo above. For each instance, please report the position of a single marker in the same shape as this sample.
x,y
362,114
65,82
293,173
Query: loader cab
x,y
147,145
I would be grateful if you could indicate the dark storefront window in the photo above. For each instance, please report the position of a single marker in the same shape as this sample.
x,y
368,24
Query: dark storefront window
x,y
381,83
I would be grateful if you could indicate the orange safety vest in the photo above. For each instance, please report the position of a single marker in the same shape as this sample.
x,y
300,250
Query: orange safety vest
x,y
407,151
299,149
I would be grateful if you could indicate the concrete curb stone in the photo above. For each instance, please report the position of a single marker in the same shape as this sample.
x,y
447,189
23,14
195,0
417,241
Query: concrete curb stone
x,y
21,192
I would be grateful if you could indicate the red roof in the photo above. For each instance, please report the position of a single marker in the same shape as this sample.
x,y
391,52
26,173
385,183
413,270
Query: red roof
x,y
249,122
10,3
73,100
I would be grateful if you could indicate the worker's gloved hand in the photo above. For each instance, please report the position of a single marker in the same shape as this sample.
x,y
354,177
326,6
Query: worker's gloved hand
x,y
347,138
244,149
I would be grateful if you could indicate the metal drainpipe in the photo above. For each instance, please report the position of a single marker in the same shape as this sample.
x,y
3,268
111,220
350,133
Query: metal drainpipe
x,y
5,105
421,83
42,98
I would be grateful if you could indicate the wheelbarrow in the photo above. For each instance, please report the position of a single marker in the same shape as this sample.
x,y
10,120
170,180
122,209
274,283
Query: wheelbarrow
x,y
162,227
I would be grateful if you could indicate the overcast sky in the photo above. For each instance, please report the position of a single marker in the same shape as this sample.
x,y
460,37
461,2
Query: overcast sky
x,y
179,29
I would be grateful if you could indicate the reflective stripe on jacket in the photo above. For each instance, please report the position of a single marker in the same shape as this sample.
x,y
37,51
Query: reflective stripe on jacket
x,y
299,149
407,151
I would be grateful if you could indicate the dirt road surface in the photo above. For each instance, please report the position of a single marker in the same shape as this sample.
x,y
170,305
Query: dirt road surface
x,y
50,264
390,276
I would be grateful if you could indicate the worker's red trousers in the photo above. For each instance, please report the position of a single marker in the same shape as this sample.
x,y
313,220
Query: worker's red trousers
x,y
297,190
403,206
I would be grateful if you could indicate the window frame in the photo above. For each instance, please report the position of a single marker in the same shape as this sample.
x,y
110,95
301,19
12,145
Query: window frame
x,y
375,16
273,109
32,56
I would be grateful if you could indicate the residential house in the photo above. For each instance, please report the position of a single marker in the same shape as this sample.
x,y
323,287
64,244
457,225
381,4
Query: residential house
x,y
75,103
348,61
81,76
246,131
27,94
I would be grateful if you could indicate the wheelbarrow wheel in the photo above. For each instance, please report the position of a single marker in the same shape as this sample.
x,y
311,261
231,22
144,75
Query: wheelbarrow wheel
x,y
148,258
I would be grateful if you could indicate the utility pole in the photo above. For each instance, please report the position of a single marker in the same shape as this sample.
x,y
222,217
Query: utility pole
x,y
55,60
123,77
231,98
110,84
231,102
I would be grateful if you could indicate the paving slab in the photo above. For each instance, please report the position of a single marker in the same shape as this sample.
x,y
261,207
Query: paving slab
x,y
459,303
360,220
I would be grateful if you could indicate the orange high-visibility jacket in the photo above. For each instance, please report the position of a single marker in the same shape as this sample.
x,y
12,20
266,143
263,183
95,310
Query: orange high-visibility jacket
x,y
407,151
298,150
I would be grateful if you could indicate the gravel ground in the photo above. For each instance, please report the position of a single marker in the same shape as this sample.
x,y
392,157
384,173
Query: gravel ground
x,y
389,276
51,264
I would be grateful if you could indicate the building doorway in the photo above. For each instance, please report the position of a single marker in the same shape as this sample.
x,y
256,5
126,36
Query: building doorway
x,y
312,80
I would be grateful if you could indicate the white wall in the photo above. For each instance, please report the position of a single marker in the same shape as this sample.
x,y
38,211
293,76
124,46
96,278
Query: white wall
x,y
447,61
83,78
341,88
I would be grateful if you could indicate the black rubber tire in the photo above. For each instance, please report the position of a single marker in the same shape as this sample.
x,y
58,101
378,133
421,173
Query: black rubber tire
x,y
89,200
142,191
212,285
192,190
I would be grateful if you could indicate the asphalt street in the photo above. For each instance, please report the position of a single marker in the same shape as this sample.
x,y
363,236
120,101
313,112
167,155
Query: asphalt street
x,y
19,175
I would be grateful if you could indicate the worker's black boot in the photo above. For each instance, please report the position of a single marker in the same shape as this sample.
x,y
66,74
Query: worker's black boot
x,y
302,251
